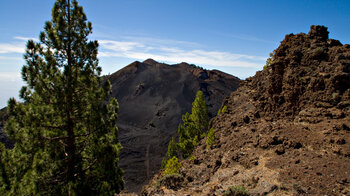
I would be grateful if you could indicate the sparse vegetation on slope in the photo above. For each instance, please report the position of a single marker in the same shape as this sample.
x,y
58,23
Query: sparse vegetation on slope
x,y
191,131
172,166
211,138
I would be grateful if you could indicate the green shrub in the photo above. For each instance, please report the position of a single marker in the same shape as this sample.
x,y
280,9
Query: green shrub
x,y
236,191
192,158
265,66
211,138
172,166
269,60
224,109
151,123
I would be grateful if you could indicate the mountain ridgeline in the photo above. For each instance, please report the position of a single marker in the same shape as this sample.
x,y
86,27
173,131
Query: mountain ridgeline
x,y
285,131
152,97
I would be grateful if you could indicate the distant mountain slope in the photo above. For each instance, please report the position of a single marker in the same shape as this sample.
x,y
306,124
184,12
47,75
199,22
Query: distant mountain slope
x,y
286,130
152,97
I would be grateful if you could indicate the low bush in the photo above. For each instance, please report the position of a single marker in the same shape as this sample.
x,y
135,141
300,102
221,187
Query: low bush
x,y
236,191
172,166
211,138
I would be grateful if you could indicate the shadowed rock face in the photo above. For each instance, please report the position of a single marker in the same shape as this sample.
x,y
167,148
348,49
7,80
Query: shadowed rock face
x,y
286,130
152,97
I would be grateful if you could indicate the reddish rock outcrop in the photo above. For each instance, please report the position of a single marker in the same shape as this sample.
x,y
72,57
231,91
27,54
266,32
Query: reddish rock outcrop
x,y
286,130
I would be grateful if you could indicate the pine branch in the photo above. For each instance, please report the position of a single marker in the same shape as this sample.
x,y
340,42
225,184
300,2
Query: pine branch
x,y
55,138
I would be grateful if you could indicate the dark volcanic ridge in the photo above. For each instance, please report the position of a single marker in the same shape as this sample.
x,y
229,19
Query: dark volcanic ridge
x,y
152,97
286,130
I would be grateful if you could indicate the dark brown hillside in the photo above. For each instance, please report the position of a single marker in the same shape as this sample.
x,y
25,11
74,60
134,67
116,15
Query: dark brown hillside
x,y
152,97
286,130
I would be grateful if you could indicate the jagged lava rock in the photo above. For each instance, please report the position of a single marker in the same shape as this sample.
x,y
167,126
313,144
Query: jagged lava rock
x,y
286,130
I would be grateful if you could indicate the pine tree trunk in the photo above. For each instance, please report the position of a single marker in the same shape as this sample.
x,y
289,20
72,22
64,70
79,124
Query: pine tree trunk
x,y
71,148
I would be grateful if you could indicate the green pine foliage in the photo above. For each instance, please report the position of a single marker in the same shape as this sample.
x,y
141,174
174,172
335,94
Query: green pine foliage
x,y
269,60
219,112
199,115
172,166
211,138
192,129
194,126
188,136
172,151
222,111
65,134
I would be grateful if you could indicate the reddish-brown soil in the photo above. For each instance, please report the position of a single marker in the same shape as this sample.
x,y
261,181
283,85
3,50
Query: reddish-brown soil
x,y
286,130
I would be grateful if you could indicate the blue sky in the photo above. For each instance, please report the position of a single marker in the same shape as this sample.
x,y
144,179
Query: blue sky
x,y
234,36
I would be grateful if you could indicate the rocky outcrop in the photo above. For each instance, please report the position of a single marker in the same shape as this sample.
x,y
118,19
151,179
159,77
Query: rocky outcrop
x,y
286,130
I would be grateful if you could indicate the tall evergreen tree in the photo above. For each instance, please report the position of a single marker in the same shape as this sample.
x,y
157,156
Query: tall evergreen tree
x,y
190,131
188,136
65,134
199,114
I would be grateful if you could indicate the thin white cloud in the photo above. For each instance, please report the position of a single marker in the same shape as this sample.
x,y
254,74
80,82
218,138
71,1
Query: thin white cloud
x,y
10,76
11,58
165,50
11,48
119,46
17,46
161,51
25,38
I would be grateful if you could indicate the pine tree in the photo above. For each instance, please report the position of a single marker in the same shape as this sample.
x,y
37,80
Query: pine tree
x,y
188,136
172,151
65,134
211,138
191,131
199,114
172,166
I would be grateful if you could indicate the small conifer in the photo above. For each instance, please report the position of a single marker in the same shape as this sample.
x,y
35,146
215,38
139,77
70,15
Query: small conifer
x,y
172,167
211,137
